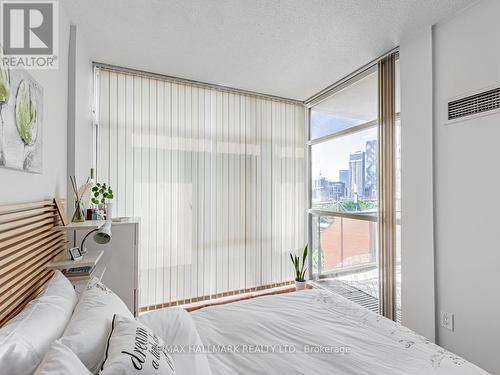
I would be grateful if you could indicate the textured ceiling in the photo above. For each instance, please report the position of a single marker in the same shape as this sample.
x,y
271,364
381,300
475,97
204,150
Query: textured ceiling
x,y
289,48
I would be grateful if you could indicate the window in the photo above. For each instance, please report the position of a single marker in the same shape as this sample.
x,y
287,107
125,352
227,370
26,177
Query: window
x,y
348,107
345,180
344,172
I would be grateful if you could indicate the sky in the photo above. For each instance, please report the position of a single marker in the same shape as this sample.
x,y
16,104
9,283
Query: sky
x,y
331,156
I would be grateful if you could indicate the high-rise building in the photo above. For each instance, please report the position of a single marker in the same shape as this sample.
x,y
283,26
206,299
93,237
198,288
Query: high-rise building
x,y
344,178
325,190
320,189
371,170
336,190
357,173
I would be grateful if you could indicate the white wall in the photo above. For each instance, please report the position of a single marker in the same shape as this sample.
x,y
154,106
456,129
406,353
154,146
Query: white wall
x,y
417,296
67,124
80,87
467,177
18,186
83,114
465,55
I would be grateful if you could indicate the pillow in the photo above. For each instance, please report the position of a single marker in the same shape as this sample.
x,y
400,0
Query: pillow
x,y
25,339
61,360
176,327
133,348
89,326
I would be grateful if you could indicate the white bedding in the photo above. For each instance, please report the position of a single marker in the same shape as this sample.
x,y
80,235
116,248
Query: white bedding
x,y
175,326
317,318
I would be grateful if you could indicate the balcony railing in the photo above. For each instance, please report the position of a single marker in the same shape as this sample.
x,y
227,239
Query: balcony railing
x,y
343,242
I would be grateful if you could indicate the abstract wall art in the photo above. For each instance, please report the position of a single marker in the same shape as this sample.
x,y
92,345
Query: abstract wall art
x,y
21,114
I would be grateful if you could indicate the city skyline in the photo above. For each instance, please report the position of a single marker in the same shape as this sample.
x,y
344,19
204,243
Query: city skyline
x,y
330,157
358,181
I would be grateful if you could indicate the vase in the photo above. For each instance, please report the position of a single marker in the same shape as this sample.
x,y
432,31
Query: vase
x,y
300,285
109,210
78,215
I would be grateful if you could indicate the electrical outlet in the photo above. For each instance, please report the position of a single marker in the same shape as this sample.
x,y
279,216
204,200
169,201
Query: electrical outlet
x,y
447,320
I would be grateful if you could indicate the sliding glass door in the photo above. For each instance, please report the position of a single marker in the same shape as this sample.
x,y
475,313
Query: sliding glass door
x,y
345,178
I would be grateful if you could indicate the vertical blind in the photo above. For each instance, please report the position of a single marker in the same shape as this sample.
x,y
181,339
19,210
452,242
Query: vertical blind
x,y
387,184
216,176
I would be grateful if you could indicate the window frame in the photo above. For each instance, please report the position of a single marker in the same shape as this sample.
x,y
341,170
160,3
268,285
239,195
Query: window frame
x,y
314,101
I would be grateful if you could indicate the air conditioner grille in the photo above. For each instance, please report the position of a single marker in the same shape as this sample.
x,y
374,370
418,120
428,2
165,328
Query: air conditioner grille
x,y
474,104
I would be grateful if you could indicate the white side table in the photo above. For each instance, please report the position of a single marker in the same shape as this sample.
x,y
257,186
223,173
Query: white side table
x,y
120,258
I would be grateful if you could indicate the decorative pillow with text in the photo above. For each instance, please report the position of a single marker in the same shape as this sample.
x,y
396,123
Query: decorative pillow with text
x,y
133,348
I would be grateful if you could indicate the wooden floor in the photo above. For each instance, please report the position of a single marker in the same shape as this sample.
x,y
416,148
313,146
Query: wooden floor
x,y
226,300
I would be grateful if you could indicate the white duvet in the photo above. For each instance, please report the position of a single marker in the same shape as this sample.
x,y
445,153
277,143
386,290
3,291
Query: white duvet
x,y
313,332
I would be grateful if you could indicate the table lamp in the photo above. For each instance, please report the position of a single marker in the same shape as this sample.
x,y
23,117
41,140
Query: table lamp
x,y
102,235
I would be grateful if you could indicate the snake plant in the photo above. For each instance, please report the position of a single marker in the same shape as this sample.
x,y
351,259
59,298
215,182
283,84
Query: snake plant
x,y
300,271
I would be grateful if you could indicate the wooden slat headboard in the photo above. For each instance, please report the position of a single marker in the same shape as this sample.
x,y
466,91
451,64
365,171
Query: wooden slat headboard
x,y
27,243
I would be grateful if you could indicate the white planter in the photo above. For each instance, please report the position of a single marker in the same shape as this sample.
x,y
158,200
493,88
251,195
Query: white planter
x,y
109,210
300,285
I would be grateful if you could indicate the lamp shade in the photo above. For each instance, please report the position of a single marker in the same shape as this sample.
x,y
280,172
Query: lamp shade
x,y
103,234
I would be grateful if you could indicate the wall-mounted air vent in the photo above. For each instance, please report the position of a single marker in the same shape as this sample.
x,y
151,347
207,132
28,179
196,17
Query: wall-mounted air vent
x,y
474,105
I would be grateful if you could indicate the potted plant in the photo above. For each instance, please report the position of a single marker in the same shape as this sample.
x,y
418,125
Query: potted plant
x,y
300,270
101,196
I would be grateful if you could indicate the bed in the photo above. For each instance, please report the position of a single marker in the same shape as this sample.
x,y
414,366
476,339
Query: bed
x,y
46,329
310,332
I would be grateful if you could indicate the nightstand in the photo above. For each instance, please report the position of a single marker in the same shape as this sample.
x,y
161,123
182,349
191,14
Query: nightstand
x,y
119,258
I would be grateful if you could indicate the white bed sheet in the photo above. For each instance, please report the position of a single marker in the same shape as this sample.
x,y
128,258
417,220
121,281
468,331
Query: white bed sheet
x,y
322,320
176,328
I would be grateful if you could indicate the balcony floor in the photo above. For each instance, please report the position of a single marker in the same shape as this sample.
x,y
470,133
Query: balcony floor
x,y
361,288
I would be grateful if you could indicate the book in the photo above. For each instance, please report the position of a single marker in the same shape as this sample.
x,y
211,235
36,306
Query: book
x,y
79,278
79,271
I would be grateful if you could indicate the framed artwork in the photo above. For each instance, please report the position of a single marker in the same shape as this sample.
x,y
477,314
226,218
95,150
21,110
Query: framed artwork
x,y
21,115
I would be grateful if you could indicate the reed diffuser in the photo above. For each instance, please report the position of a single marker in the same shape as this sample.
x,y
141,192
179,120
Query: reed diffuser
x,y
79,215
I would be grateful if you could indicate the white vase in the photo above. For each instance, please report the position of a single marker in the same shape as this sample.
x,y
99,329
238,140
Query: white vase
x,y
109,210
300,285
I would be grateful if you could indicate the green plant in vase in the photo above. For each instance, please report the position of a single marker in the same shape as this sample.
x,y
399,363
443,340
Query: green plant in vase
x,y
102,195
